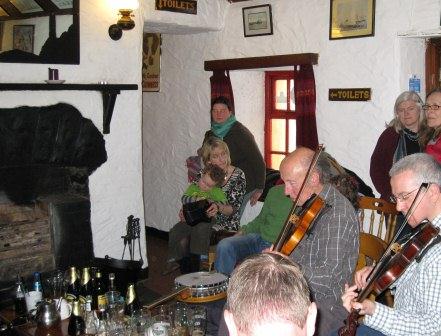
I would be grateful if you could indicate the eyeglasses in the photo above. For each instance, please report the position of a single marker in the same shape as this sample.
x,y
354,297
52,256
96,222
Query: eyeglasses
x,y
409,109
403,197
431,107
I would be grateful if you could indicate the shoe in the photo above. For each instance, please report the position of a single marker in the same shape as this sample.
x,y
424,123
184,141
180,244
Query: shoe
x,y
170,267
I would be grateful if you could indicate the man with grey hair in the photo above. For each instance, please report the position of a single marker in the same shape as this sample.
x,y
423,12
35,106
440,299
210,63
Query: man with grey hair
x,y
417,304
267,295
328,253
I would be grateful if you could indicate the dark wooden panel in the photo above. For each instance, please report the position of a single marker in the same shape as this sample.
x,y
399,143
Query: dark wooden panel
x,y
261,62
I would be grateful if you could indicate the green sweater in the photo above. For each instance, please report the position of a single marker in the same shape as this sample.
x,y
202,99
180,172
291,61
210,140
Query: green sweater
x,y
271,218
194,193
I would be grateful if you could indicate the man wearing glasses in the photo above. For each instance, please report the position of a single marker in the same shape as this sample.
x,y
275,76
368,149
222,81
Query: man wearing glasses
x,y
417,305
432,109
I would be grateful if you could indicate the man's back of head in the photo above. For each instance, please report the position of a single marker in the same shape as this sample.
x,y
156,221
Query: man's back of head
x,y
268,295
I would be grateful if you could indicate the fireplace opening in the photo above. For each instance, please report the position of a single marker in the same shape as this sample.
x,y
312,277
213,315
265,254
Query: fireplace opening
x,y
47,154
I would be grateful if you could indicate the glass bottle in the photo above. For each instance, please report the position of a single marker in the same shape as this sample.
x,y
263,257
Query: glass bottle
x,y
76,325
37,282
86,285
19,299
89,317
131,303
99,300
112,295
102,328
73,285
112,282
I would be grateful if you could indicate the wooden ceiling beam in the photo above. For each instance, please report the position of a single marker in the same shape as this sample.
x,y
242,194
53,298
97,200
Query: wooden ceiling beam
x,y
261,62
47,5
9,8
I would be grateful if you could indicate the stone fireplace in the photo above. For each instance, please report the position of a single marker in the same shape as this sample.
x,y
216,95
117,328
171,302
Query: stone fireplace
x,y
46,157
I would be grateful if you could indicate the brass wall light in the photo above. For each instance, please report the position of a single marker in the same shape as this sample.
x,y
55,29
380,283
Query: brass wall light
x,y
125,21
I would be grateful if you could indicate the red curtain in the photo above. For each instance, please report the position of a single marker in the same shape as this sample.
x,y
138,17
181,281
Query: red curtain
x,y
304,88
221,86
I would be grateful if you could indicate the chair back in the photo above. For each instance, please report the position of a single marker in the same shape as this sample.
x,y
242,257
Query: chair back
x,y
371,249
377,217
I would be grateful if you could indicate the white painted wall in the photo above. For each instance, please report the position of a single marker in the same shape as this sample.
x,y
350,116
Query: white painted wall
x,y
115,187
176,118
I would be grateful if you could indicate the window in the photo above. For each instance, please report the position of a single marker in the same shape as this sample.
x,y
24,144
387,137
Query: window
x,y
280,116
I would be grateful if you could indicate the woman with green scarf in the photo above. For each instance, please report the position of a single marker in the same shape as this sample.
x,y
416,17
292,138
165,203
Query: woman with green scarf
x,y
243,148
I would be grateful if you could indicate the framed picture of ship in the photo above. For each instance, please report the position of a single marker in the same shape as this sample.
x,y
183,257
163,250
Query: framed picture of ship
x,y
351,19
257,20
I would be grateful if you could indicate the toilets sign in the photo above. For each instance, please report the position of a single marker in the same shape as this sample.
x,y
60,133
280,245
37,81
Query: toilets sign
x,y
359,94
180,6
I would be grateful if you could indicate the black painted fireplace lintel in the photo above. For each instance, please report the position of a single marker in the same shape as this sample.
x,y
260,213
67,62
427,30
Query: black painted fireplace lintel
x,y
109,93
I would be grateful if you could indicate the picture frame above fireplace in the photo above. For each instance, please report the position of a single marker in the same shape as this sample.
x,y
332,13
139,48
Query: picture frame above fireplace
x,y
56,38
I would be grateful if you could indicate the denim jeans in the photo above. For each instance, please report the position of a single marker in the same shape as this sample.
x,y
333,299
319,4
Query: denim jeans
x,y
361,331
234,249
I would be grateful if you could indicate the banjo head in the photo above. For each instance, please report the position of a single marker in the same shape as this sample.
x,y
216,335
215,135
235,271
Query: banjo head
x,y
204,286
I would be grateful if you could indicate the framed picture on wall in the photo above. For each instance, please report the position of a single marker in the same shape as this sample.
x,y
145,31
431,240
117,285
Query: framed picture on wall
x,y
351,19
151,62
23,37
257,20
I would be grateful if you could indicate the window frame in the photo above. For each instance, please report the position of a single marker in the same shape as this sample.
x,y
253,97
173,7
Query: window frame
x,y
272,113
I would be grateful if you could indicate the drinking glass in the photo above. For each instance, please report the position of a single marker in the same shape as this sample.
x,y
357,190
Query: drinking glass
x,y
182,320
199,325
160,326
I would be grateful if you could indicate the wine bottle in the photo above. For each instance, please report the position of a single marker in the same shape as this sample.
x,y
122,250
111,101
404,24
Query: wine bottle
x,y
99,300
73,285
86,285
76,325
19,299
131,303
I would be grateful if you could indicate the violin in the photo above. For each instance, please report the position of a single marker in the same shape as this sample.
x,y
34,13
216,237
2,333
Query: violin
x,y
391,267
297,225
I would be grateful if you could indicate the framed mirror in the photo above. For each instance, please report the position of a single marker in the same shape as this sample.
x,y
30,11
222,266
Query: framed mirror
x,y
40,31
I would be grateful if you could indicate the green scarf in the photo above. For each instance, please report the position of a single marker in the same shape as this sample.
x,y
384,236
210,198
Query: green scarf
x,y
221,130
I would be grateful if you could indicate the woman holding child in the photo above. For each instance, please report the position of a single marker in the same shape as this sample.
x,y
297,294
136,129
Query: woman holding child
x,y
187,243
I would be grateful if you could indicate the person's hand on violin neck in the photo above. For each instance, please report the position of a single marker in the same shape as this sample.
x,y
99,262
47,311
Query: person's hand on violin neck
x,y
361,276
349,298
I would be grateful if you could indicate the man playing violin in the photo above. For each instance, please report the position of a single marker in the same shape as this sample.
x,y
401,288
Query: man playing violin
x,y
417,305
328,252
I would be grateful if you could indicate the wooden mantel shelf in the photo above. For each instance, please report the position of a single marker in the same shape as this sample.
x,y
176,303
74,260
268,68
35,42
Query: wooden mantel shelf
x,y
108,91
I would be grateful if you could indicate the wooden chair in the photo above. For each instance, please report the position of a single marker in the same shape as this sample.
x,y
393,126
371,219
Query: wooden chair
x,y
377,217
371,249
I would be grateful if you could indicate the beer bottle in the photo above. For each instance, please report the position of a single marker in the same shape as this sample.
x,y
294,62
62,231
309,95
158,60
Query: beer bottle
x,y
19,299
99,293
86,285
73,285
76,325
131,303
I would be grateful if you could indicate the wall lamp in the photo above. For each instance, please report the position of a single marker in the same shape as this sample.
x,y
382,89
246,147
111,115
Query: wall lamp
x,y
125,21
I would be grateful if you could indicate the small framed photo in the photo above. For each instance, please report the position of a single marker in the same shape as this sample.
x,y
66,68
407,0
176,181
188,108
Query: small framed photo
x,y
351,19
23,37
257,21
